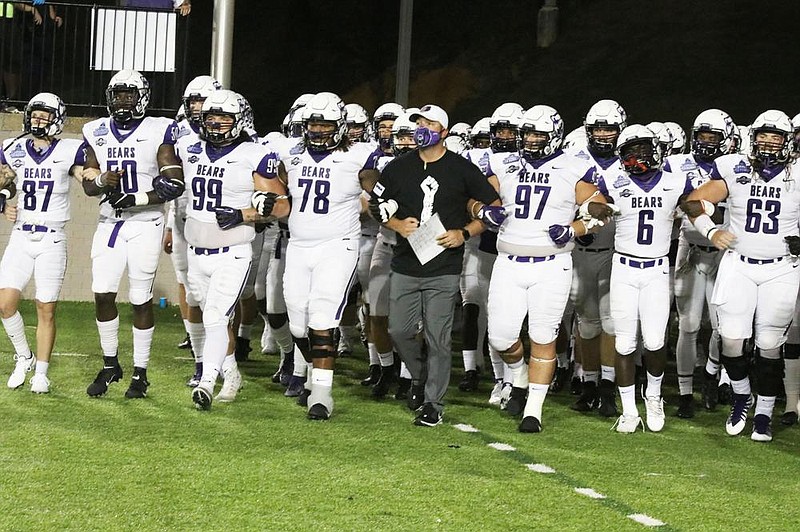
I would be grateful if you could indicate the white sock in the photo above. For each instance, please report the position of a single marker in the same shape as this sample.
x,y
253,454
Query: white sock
x,y
142,341
404,373
653,385
536,396
197,334
229,362
498,366
245,330
374,358
591,376
214,352
765,405
41,367
508,375
300,365
627,396
186,325
685,385
519,373
109,336
741,387
283,337
15,329
712,366
386,359
469,356
608,373
322,377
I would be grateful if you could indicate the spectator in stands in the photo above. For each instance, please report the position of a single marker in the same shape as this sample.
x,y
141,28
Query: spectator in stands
x,y
184,6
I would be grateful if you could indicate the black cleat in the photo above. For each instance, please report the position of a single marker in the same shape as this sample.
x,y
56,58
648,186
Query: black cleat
x,y
559,380
685,406
186,343
516,403
710,393
607,406
403,386
588,400
575,386
139,384
373,376
386,381
428,416
107,375
318,412
242,351
296,386
416,397
530,424
470,381
789,419
302,399
202,397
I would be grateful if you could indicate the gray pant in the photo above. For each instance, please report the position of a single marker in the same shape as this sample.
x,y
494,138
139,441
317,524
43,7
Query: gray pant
x,y
432,300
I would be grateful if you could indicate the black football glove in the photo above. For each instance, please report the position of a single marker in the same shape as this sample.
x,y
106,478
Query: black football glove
x,y
794,244
228,217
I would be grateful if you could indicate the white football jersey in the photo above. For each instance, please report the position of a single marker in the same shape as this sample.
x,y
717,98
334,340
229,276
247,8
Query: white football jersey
x,y
134,151
222,177
43,178
480,158
698,172
187,135
644,225
325,191
610,170
537,195
762,212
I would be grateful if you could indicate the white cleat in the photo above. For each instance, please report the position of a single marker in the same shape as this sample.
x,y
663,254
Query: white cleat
x,y
654,413
737,419
497,394
628,424
40,383
202,395
230,386
505,395
21,370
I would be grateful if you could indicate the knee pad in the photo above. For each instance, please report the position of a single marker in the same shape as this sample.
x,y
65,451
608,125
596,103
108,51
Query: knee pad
x,y
769,374
543,335
624,345
588,329
791,351
689,324
139,295
608,325
276,321
213,316
319,343
735,366
731,348
771,338
302,345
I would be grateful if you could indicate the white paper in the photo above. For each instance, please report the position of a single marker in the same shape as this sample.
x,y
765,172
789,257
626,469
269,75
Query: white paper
x,y
141,40
423,240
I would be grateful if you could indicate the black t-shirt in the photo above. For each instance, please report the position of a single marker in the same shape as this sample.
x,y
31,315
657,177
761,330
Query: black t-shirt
x,y
450,181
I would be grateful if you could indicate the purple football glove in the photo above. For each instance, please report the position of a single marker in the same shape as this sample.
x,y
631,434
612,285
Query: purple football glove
x,y
168,189
561,235
491,215
228,217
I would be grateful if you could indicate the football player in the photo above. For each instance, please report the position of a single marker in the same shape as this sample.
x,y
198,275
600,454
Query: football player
x,y
45,166
758,276
324,179
382,120
127,153
358,124
647,196
479,136
539,187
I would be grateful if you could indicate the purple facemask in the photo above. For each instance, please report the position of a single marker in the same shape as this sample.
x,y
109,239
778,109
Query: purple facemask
x,y
425,137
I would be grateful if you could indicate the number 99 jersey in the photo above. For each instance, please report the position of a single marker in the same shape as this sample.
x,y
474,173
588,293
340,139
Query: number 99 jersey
x,y
135,152
761,211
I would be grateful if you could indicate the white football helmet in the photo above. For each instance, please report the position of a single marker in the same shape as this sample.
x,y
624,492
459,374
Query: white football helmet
x,y
455,144
607,114
198,90
324,107
127,96
387,111
678,137
575,139
248,117
301,101
506,117
719,123
796,126
50,103
273,136
180,114
480,136
357,123
767,153
226,103
403,134
664,135
541,119
461,129
639,150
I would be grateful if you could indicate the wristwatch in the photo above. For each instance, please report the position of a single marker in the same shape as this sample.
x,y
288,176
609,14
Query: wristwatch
x,y
465,234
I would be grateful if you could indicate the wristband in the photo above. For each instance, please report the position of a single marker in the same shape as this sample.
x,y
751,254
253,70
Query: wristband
x,y
465,234
5,192
704,225
141,199
99,181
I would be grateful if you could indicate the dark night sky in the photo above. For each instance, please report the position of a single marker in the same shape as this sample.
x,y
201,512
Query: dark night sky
x,y
663,60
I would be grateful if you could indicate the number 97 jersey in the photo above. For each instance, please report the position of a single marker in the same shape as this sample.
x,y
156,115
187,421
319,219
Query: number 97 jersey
x,y
762,210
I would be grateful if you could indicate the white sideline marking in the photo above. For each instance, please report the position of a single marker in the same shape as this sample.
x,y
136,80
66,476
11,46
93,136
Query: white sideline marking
x,y
463,427
646,520
589,492
70,355
184,358
540,468
502,446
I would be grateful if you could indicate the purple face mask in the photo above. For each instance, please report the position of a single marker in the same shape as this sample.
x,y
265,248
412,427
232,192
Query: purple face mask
x,y
425,137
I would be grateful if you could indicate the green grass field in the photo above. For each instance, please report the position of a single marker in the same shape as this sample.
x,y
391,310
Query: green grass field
x,y
72,462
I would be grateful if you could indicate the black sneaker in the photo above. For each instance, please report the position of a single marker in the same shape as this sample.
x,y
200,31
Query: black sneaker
x,y
710,393
110,373
296,386
530,424
373,376
302,399
386,381
470,381
575,386
318,412
186,343
559,380
607,406
516,403
403,386
588,400
685,406
243,349
139,384
428,416
416,397
789,419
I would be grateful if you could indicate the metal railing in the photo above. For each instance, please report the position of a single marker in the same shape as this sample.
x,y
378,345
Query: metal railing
x,y
73,50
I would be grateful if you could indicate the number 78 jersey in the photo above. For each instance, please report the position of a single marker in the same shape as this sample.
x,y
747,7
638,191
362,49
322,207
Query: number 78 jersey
x,y
762,211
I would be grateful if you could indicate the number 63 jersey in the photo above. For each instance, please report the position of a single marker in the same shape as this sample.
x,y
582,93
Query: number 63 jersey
x,y
763,209
326,193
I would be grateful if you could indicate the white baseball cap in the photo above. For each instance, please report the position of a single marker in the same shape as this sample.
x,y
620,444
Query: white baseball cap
x,y
434,113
